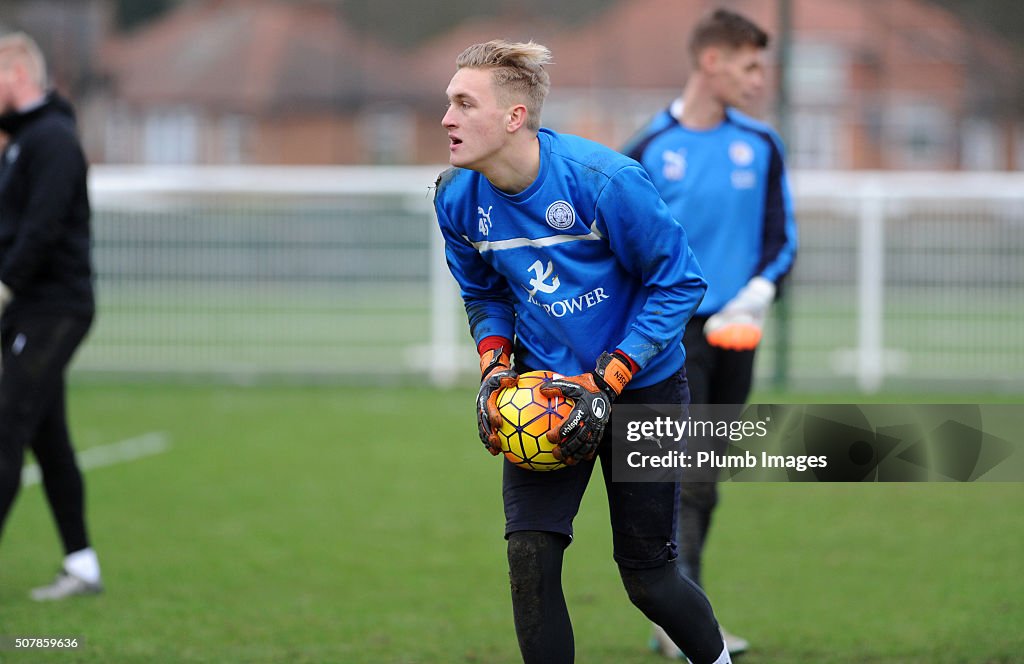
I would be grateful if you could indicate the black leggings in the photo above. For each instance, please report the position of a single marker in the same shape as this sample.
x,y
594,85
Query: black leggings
x,y
36,350
542,622
717,376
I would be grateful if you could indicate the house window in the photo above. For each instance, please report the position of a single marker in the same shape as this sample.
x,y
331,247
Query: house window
x,y
918,135
118,144
170,136
814,140
979,146
1019,149
233,130
817,73
389,135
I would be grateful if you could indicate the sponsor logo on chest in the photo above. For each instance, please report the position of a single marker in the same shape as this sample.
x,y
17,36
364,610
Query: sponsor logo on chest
x,y
545,281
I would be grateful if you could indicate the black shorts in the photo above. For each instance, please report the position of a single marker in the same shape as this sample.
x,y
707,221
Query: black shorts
x,y
643,514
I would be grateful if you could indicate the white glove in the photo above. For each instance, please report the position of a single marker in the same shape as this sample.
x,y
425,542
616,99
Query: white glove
x,y
5,296
738,325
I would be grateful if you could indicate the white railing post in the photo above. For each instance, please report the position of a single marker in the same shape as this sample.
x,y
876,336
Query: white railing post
x,y
442,363
871,288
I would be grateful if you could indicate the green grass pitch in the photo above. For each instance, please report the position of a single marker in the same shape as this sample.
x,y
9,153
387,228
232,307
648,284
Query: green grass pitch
x,y
364,525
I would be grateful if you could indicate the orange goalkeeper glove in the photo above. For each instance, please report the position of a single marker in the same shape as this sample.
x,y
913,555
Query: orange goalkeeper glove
x,y
495,375
578,435
738,325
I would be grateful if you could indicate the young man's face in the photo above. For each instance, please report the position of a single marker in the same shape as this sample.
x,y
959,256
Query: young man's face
x,y
475,120
737,75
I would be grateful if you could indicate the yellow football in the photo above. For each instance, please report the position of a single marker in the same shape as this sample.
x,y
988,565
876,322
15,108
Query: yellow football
x,y
526,417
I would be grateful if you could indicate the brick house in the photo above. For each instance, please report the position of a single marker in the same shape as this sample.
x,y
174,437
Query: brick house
x,y
894,85
900,84
253,82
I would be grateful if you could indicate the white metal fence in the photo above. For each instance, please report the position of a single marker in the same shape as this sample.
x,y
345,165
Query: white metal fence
x,y
908,279
262,271
912,280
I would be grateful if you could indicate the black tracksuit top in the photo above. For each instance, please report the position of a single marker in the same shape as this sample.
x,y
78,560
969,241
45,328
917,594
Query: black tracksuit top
x,y
45,238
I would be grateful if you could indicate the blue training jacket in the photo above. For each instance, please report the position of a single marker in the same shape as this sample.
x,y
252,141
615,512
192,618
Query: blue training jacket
x,y
587,259
727,187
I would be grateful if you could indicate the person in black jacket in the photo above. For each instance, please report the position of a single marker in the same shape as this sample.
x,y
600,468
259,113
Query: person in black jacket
x,y
46,299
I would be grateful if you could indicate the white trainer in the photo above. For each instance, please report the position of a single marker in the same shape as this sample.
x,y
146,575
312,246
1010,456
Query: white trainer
x,y
64,586
734,644
662,644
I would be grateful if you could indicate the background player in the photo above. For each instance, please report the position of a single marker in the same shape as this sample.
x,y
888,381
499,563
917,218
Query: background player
x,y
723,177
531,218
46,299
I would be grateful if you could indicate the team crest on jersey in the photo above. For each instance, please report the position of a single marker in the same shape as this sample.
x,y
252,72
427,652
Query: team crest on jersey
x,y
674,166
484,221
560,215
741,153
12,153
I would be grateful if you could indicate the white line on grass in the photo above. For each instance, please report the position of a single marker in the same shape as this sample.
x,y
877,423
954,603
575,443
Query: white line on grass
x,y
148,444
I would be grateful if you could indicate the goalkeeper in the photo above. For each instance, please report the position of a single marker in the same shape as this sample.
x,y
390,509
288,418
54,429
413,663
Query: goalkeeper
x,y
565,247
722,175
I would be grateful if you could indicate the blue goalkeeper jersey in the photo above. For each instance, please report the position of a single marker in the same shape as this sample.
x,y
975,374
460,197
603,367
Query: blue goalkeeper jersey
x,y
587,259
727,187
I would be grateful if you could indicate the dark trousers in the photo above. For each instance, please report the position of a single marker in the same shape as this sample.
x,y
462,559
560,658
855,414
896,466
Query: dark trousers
x,y
36,350
717,376
539,511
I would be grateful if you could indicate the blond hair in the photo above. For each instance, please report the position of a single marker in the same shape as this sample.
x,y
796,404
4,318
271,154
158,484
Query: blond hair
x,y
518,72
19,47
